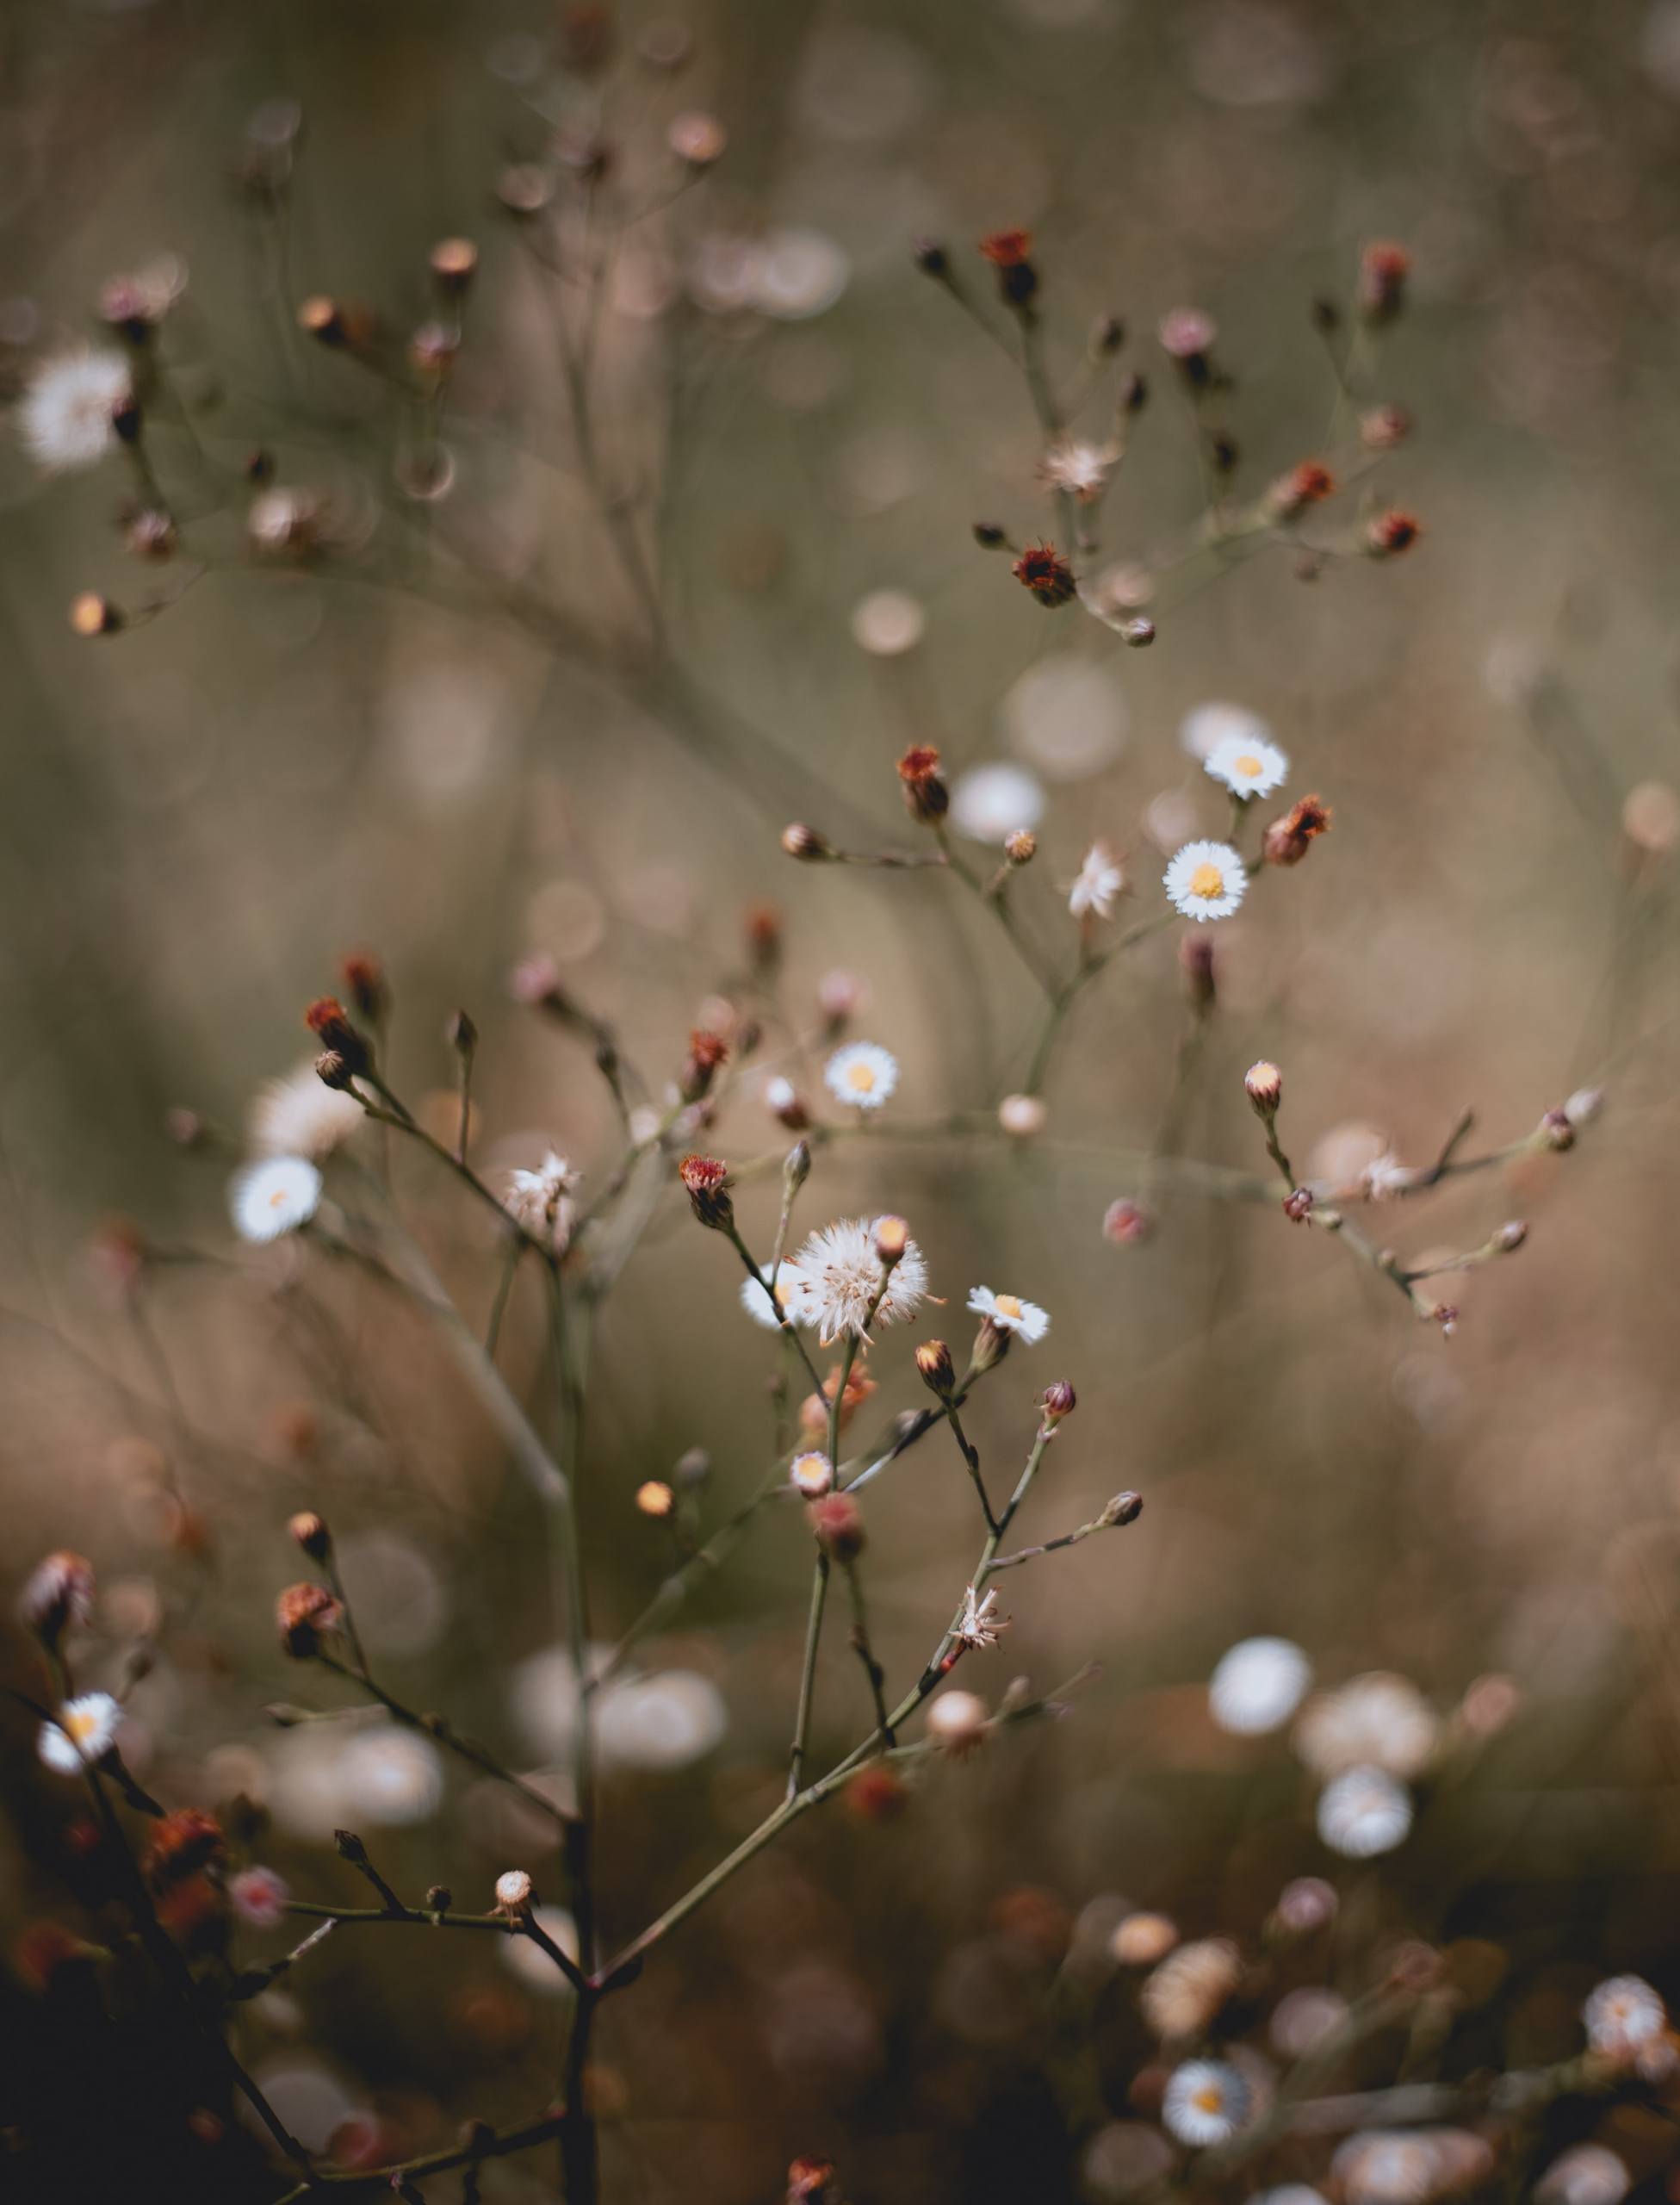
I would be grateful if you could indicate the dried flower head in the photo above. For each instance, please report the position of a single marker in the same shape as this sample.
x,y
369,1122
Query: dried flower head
x,y
926,795
304,1614
839,1275
1391,533
813,1410
1186,1991
540,1202
1287,840
837,1525
706,1052
1042,569
1309,484
980,1623
1078,469
332,1027
707,1182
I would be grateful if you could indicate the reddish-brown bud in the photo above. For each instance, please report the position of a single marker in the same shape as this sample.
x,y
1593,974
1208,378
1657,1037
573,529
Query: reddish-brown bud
x,y
706,1181
1287,841
1391,533
1058,1399
182,1844
305,1613
837,1524
1042,569
926,795
706,1052
329,1021
1383,269
366,985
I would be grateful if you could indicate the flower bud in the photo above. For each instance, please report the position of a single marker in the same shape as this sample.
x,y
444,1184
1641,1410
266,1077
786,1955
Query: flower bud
x,y
938,1372
1263,1086
837,1524
926,796
1297,1205
454,263
92,615
1137,634
1126,1222
1509,1238
691,1470
306,1614
891,1236
931,259
1021,846
513,1891
1556,1130
439,1898
1124,1508
706,1052
796,1168
328,1020
1058,1399
311,1534
990,536
782,1100
706,1181
805,843
991,1344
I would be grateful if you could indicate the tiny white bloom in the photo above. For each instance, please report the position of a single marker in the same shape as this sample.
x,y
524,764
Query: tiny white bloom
x,y
1079,468
838,1275
812,1474
1246,765
1100,881
513,1889
83,1731
66,415
1010,1313
541,1201
756,1301
1622,2012
259,1896
1205,2102
273,1196
1257,1685
989,803
981,1622
1363,1812
862,1073
300,1116
1206,881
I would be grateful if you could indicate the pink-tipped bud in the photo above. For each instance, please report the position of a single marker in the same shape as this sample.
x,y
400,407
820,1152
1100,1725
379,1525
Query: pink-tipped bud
x,y
1263,1086
1058,1399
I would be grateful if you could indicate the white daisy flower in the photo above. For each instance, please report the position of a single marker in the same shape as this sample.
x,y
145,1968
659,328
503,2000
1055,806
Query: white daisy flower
x,y
541,1201
1011,1315
274,1196
811,1475
300,1116
862,1073
1101,880
1206,881
1363,1812
1246,766
756,1301
66,417
990,803
838,1275
1257,1685
1205,2102
1623,2013
83,1731
981,1624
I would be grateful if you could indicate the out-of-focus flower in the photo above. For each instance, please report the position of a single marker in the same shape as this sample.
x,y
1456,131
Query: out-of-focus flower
x,y
180,1845
1021,1116
1363,1812
1246,767
887,623
1142,1940
990,802
1257,1685
1384,2166
1205,2102
1621,2014
300,1116
669,1720
838,1275
273,1196
1304,2018
1189,1987
1079,470
1306,1904
1586,2174
1010,1313
541,1201
956,1720
1186,333
1100,880
392,1776
981,1624
755,1297
1379,1720
58,1596
1206,881
68,415
258,1897
84,1730
862,1074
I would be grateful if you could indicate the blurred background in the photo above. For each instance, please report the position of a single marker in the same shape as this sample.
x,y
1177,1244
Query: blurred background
x,y
523,694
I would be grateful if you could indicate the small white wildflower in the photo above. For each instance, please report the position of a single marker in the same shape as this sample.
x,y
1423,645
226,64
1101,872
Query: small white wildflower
x,y
838,1275
956,1720
1623,2013
67,417
862,1073
1011,1315
1205,2102
1206,881
990,803
1257,1685
812,1474
981,1624
300,1116
259,1896
514,1891
755,1298
83,1731
1248,766
1100,881
541,1201
1363,1812
1079,468
274,1196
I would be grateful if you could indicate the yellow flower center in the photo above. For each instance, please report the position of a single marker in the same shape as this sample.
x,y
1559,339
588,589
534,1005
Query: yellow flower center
x,y
1208,880
1207,2099
277,1199
1250,767
80,1724
1006,1305
861,1078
